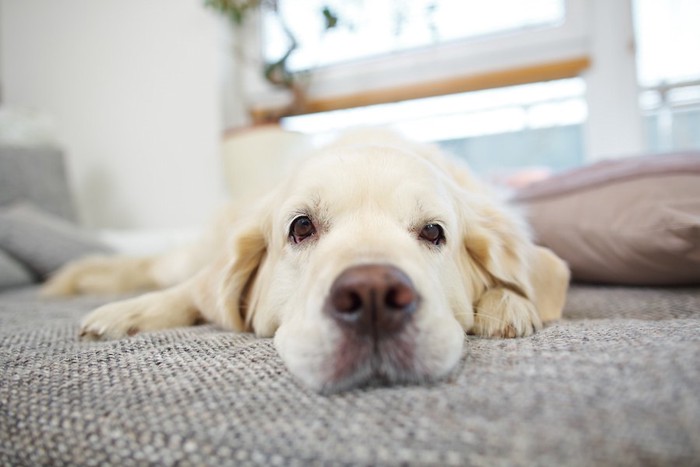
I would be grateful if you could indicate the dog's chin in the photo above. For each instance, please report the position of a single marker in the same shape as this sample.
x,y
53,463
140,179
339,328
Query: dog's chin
x,y
348,360
362,361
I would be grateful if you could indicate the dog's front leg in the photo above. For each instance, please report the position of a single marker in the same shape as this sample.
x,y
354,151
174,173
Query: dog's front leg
x,y
156,310
199,298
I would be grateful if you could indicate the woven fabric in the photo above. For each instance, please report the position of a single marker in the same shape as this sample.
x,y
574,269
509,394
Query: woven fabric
x,y
12,273
36,175
614,383
43,242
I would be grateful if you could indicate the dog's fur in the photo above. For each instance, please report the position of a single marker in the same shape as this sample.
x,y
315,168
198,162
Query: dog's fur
x,y
369,198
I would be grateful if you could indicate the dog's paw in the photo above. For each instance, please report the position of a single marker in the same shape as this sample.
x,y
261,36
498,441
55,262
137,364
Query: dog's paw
x,y
503,313
116,320
148,312
100,275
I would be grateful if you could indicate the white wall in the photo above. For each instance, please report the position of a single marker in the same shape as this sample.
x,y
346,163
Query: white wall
x,y
134,88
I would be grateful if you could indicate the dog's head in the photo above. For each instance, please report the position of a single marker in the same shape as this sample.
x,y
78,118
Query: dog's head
x,y
366,263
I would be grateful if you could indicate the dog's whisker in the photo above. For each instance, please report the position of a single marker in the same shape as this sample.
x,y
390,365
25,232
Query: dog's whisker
x,y
484,317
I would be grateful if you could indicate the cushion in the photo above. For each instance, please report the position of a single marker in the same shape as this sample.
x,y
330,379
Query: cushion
x,y
12,273
41,241
35,175
633,221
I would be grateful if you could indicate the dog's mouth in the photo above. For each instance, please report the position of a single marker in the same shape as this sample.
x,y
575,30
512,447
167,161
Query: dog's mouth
x,y
386,360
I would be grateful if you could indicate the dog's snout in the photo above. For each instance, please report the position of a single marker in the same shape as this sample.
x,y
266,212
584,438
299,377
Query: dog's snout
x,y
373,299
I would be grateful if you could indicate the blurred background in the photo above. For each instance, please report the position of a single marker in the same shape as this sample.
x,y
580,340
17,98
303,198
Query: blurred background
x,y
146,99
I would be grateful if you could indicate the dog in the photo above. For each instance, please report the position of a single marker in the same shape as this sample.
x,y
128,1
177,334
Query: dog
x,y
370,260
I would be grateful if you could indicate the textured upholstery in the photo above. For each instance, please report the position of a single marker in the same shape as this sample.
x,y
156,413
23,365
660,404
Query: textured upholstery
x,y
36,175
12,272
42,242
614,383
38,233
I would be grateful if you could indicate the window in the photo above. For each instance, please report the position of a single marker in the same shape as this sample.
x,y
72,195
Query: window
x,y
330,32
496,131
668,44
382,61
380,46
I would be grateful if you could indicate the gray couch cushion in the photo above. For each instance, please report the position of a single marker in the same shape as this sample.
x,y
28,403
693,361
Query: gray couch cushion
x,y
614,383
36,175
12,272
43,242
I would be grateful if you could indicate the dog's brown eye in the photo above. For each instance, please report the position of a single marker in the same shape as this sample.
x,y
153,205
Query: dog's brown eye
x,y
433,233
301,228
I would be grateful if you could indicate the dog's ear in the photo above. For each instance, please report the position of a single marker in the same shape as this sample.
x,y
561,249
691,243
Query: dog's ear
x,y
549,276
498,244
221,290
248,246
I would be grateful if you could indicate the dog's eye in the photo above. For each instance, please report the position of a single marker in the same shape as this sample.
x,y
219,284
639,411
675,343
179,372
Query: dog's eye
x,y
301,229
433,233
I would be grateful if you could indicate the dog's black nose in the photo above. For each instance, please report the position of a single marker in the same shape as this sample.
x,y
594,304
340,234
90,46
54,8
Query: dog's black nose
x,y
373,299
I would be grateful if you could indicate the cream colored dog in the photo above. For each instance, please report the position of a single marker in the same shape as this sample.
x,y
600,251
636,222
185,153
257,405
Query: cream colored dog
x,y
370,260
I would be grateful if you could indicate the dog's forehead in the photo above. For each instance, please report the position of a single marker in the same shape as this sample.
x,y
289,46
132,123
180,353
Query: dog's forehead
x,y
375,181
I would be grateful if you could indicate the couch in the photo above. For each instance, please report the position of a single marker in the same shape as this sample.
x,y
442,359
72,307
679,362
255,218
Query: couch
x,y
615,382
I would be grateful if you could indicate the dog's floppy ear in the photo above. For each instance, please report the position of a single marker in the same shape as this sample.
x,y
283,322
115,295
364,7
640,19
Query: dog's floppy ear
x,y
499,245
222,289
249,247
549,276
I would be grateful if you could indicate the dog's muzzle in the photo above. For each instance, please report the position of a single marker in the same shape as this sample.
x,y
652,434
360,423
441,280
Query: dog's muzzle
x,y
372,300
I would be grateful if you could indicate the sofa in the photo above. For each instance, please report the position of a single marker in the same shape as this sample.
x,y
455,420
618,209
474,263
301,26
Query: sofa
x,y
614,382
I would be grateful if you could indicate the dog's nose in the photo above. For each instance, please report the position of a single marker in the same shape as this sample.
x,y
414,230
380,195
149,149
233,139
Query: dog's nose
x,y
372,299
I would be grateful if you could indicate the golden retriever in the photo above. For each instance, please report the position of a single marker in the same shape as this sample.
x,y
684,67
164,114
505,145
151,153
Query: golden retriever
x,y
370,260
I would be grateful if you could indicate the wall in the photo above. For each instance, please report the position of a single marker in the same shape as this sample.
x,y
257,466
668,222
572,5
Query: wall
x,y
134,89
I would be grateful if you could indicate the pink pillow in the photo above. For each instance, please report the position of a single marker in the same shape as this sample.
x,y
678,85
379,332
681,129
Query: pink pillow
x,y
632,221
